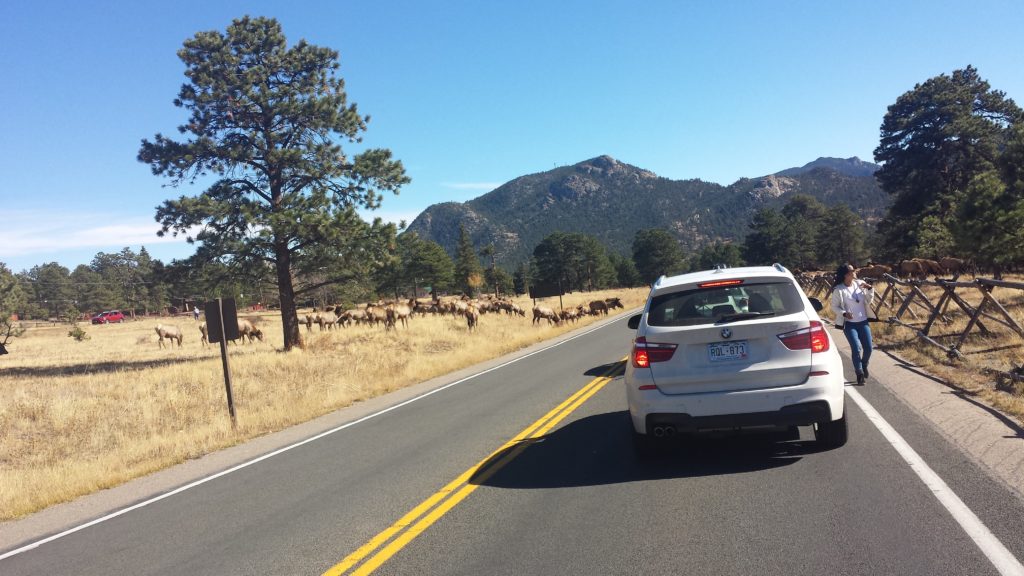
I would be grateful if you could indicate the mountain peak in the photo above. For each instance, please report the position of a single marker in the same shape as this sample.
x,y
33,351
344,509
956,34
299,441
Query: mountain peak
x,y
611,200
606,166
852,166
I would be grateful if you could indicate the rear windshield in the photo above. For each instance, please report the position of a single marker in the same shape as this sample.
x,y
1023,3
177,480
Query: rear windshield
x,y
711,305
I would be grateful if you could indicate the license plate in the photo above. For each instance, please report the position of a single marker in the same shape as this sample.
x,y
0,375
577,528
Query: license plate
x,y
722,351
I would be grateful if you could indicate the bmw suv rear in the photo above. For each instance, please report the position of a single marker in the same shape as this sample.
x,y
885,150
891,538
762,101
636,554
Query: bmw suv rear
x,y
733,348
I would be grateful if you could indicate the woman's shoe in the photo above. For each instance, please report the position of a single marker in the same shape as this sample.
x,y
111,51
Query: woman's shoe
x,y
866,375
860,379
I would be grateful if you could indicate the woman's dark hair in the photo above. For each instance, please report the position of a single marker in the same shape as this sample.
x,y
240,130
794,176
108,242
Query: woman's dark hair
x,y
841,274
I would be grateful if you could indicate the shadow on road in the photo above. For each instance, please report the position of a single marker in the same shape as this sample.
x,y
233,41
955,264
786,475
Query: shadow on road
x,y
598,450
606,369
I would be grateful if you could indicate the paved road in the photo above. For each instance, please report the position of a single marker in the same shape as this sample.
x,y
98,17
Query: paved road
x,y
573,501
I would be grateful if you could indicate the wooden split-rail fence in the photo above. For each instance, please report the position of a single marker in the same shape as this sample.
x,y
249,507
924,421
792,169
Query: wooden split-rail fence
x,y
905,303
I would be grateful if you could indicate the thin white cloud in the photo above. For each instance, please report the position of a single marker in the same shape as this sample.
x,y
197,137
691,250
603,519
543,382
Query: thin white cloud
x,y
31,232
487,186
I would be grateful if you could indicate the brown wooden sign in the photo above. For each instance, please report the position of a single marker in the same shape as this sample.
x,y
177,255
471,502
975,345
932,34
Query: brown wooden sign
x,y
222,325
545,290
213,320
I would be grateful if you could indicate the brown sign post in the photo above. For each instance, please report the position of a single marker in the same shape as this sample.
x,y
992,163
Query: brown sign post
x,y
546,290
221,326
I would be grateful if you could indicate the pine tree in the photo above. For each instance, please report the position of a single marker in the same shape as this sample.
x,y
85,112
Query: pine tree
x,y
656,252
468,272
12,302
264,121
935,140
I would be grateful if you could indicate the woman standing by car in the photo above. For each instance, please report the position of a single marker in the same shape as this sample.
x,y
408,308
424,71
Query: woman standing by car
x,y
851,302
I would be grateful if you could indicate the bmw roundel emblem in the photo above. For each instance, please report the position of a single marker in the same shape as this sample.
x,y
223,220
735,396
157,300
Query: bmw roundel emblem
x,y
726,333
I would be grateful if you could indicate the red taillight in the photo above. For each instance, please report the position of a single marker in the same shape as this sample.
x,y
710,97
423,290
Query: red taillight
x,y
644,352
812,338
719,283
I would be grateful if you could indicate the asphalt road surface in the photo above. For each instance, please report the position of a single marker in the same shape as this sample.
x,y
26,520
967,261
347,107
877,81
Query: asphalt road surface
x,y
436,487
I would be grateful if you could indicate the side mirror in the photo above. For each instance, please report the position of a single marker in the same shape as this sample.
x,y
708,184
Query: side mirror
x,y
634,321
816,304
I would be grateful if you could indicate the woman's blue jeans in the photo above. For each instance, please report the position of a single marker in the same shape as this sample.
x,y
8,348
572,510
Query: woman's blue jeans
x,y
858,334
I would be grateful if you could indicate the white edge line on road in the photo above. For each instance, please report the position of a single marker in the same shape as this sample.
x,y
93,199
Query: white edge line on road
x,y
246,464
1003,560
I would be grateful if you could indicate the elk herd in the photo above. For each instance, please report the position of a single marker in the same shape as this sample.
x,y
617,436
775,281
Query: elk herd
x,y
913,269
246,330
390,315
394,314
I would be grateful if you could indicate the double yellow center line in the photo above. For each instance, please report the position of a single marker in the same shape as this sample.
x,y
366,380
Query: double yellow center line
x,y
386,544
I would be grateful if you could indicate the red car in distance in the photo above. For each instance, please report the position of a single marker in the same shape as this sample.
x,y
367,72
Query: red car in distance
x,y
108,317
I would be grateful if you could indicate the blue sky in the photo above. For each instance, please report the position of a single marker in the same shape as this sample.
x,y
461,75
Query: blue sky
x,y
472,94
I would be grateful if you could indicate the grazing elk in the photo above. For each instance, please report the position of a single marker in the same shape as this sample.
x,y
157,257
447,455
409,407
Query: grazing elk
x,y
548,314
472,317
171,333
246,329
395,313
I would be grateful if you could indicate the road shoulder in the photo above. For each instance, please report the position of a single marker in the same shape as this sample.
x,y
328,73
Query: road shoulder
x,y
993,440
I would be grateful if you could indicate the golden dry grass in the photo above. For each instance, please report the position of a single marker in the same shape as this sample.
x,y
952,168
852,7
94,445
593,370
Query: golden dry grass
x,y
77,417
1002,350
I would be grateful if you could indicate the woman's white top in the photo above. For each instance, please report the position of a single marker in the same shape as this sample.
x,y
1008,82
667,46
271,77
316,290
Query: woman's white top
x,y
852,299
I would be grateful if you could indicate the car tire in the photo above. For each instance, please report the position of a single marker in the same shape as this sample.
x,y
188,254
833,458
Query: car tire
x,y
833,433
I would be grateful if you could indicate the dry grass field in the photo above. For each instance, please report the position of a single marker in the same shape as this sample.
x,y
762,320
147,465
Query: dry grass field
x,y
1002,350
77,417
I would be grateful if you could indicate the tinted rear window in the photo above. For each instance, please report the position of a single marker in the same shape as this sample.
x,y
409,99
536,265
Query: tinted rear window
x,y
707,306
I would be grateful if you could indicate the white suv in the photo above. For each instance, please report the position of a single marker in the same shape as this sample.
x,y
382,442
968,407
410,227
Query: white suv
x,y
733,348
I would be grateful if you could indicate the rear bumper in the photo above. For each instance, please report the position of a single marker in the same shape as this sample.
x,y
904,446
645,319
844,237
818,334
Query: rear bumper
x,y
820,398
794,415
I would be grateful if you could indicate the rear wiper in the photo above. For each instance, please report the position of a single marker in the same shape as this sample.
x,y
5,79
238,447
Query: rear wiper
x,y
743,316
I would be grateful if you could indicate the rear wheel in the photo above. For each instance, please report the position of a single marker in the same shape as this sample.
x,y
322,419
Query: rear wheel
x,y
832,434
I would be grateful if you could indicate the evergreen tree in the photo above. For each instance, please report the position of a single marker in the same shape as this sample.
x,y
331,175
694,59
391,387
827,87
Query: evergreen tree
x,y
575,261
427,264
12,303
499,281
521,279
92,293
770,239
550,259
840,238
468,272
804,217
494,283
52,292
717,253
990,223
264,122
626,275
935,140
596,271
656,252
